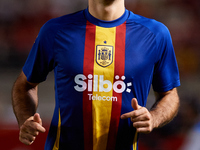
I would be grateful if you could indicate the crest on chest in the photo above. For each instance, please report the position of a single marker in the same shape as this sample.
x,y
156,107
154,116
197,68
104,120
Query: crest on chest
x,y
104,55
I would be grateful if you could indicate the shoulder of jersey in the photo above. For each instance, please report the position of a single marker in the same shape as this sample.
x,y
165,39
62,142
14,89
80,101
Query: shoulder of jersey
x,y
152,24
73,18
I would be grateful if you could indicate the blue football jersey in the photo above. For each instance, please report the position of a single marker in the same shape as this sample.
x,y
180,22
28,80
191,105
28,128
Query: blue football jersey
x,y
99,66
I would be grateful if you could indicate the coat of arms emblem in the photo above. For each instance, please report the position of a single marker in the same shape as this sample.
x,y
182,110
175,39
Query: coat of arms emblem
x,y
104,55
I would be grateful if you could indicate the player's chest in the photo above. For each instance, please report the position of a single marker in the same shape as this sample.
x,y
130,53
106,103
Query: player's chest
x,y
104,49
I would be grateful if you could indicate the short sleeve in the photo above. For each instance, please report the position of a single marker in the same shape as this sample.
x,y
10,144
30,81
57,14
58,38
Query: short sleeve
x,y
41,57
166,73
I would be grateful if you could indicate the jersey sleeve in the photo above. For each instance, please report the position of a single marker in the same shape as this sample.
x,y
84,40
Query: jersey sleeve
x,y
166,73
41,57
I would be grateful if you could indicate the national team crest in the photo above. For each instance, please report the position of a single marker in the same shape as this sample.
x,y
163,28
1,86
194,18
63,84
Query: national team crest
x,y
104,55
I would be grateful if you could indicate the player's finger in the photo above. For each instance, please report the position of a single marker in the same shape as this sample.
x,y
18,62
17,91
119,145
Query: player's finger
x,y
127,115
141,115
32,127
25,141
134,104
141,124
134,114
38,126
26,138
37,118
28,130
145,129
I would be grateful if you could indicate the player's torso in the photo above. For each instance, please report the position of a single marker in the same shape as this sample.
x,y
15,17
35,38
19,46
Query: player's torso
x,y
99,70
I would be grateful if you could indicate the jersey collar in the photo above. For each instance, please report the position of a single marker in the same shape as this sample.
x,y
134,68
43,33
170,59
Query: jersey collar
x,y
104,23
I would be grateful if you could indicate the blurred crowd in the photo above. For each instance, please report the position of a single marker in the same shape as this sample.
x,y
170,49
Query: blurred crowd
x,y
21,20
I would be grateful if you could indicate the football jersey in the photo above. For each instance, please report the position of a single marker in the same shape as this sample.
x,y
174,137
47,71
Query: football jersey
x,y
99,66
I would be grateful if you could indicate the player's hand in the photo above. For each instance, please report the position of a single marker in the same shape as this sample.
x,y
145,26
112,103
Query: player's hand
x,y
30,129
141,118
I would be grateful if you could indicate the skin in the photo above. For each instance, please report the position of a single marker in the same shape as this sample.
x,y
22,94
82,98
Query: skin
x,y
163,111
25,102
25,98
107,10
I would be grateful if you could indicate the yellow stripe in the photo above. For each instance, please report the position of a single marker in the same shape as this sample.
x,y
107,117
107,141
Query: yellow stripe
x,y
102,109
135,141
56,144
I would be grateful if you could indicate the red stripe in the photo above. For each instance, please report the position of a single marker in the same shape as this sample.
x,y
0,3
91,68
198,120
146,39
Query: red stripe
x,y
119,70
88,69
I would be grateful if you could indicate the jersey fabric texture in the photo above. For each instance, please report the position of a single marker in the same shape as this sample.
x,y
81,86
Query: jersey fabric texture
x,y
99,66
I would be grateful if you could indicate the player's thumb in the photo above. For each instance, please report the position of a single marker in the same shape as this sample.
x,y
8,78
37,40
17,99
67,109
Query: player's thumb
x,y
37,118
134,104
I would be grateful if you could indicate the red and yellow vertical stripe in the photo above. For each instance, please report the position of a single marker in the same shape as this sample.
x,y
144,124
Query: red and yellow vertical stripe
x,y
101,118
101,110
119,71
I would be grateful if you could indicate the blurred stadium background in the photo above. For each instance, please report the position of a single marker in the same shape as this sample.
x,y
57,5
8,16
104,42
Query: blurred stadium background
x,y
20,21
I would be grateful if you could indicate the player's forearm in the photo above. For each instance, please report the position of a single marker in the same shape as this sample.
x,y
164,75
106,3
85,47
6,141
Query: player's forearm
x,y
165,108
24,103
24,100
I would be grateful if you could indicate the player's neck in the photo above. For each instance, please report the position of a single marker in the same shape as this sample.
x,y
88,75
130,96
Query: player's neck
x,y
106,9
